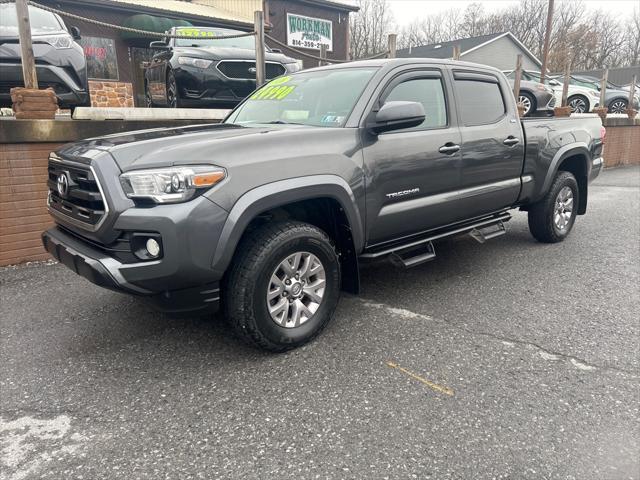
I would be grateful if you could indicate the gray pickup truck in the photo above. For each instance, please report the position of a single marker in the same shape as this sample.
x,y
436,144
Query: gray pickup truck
x,y
269,213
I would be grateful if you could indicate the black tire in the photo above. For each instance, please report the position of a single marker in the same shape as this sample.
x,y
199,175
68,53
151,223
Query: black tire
x,y
541,214
618,105
172,96
148,99
532,103
578,104
247,282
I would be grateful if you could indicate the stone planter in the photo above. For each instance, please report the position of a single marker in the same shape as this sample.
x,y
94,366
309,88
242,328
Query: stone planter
x,y
562,111
631,112
31,103
601,111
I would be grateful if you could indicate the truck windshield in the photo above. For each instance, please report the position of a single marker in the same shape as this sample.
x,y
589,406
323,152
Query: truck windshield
x,y
208,37
322,98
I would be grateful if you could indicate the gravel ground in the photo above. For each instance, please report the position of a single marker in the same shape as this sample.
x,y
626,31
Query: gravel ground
x,y
509,360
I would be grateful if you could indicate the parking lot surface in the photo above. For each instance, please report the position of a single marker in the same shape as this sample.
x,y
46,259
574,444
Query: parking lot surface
x,y
511,360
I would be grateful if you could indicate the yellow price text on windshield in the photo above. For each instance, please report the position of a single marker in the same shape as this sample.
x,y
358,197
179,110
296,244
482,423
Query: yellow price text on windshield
x,y
274,90
195,32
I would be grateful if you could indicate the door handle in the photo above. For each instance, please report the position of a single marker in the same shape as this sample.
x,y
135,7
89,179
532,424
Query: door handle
x,y
449,148
510,140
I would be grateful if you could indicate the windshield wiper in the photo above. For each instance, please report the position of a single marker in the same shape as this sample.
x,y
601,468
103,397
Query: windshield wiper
x,y
281,122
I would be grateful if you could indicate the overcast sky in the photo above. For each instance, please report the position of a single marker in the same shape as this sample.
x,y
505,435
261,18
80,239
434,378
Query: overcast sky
x,y
405,11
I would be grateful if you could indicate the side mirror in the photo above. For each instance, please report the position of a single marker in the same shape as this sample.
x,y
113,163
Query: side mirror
x,y
75,33
159,45
276,50
397,115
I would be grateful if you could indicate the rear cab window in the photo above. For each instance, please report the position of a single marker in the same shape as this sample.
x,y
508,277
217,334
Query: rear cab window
x,y
480,98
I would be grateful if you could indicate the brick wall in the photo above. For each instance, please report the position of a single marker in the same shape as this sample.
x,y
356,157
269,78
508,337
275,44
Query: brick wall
x,y
622,146
23,196
111,94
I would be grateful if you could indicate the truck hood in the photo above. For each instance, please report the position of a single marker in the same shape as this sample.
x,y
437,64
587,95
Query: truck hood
x,y
217,144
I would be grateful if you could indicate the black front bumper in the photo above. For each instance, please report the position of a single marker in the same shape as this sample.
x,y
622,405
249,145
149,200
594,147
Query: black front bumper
x,y
102,270
69,93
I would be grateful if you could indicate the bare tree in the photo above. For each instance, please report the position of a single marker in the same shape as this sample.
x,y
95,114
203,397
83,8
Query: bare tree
x,y
369,28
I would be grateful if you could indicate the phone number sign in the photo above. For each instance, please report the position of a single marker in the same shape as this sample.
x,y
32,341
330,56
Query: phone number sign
x,y
308,32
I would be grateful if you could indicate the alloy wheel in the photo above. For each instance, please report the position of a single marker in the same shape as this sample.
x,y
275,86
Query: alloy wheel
x,y
619,106
296,289
172,91
563,209
525,102
578,105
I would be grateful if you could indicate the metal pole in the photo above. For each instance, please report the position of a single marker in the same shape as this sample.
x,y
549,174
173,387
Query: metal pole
x,y
603,87
323,54
632,92
565,86
26,49
547,36
258,22
516,82
391,42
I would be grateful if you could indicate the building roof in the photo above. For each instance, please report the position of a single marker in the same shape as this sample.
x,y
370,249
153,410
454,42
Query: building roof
x,y
340,5
184,8
467,45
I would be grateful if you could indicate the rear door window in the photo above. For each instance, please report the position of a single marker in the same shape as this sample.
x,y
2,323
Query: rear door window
x,y
479,102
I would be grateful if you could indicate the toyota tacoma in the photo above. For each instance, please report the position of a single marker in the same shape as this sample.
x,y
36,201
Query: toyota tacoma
x,y
269,214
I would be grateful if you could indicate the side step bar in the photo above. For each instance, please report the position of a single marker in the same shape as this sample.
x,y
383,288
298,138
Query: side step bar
x,y
419,251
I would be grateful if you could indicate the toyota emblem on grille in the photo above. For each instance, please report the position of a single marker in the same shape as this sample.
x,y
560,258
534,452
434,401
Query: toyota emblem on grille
x,y
252,69
63,185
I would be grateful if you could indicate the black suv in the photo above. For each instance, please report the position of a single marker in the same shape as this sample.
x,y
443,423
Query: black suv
x,y
205,71
60,61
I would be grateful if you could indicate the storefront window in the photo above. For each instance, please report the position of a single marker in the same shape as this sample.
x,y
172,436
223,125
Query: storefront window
x,y
102,61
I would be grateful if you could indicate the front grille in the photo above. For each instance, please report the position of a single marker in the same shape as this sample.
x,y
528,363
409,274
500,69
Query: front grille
x,y
81,203
246,69
6,86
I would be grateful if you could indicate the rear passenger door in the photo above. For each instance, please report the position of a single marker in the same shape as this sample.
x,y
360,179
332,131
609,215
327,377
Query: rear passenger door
x,y
492,144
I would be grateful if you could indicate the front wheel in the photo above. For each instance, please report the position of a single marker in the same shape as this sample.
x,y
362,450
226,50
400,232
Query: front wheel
x,y
619,105
283,285
578,104
172,91
552,218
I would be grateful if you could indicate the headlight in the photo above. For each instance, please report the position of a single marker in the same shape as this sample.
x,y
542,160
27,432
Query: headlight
x,y
594,93
293,67
540,86
59,41
170,185
195,62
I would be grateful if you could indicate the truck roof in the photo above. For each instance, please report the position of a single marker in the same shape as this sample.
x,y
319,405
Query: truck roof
x,y
389,63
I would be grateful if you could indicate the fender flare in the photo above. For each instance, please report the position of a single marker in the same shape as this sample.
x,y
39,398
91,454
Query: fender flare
x,y
276,194
570,150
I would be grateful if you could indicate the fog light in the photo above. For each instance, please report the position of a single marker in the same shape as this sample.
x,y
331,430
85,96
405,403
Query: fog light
x,y
153,247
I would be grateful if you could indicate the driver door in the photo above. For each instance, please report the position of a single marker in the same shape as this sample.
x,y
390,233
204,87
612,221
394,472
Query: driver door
x,y
411,172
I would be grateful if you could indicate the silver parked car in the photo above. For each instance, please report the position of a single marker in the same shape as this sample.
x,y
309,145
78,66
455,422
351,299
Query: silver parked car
x,y
535,97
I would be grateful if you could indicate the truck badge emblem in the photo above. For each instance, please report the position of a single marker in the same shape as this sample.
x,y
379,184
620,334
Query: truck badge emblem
x,y
63,185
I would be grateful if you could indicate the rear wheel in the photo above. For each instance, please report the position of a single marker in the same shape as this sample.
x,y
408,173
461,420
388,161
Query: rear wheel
x,y
283,285
552,218
528,102
619,105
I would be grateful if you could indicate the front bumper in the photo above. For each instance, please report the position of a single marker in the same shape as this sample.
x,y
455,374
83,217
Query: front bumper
x,y
597,164
104,271
68,91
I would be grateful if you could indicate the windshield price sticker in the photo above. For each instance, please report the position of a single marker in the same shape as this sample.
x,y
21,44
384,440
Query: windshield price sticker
x,y
274,90
195,32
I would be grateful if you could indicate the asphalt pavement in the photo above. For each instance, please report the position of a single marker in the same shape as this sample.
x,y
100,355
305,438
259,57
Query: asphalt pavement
x,y
508,360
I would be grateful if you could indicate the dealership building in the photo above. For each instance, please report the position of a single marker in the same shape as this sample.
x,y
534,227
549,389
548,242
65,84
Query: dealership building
x,y
116,59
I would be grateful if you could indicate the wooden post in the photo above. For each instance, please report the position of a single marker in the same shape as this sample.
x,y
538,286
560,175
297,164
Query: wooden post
x,y
603,87
26,49
391,45
456,52
518,72
632,93
565,85
547,35
258,25
323,54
